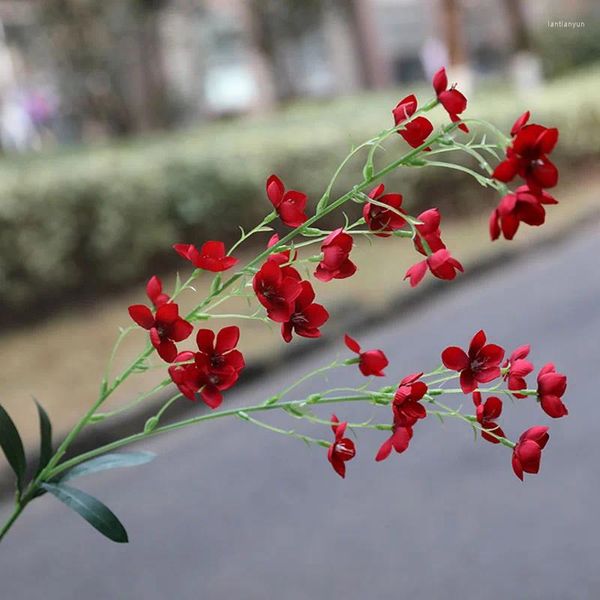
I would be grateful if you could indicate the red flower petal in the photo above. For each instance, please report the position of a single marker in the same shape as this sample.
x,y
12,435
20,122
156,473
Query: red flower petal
x,y
227,339
352,344
455,358
142,315
275,190
440,81
181,330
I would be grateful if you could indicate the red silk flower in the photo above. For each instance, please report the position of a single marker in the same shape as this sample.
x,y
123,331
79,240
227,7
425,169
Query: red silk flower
x,y
210,257
451,99
527,156
521,206
215,367
416,131
277,289
407,405
551,388
290,204
166,327
342,449
441,264
384,219
518,368
429,231
487,413
306,316
370,362
480,365
407,410
336,263
527,454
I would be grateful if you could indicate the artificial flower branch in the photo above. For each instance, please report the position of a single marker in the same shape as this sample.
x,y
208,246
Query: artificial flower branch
x,y
286,298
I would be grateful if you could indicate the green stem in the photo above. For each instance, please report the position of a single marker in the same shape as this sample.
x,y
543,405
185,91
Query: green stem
x,y
193,421
51,468
19,506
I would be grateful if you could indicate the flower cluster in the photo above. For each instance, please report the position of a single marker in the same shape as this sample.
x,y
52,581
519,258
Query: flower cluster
x,y
526,157
481,364
214,368
165,325
280,280
289,298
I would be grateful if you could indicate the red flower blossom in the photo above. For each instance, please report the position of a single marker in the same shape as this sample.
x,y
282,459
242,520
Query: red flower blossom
x,y
518,369
486,414
336,263
166,327
277,290
215,355
215,368
186,377
521,206
528,451
407,410
194,381
155,293
429,231
451,99
551,387
306,316
371,362
441,264
415,132
399,441
527,157
289,205
382,219
480,365
210,257
406,406
342,449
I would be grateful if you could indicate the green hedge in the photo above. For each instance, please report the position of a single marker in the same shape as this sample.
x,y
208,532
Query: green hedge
x,y
92,220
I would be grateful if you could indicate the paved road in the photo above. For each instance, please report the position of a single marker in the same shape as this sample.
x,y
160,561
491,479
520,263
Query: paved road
x,y
231,512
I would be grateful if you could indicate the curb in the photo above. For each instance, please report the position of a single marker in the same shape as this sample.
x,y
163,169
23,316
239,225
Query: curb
x,y
346,316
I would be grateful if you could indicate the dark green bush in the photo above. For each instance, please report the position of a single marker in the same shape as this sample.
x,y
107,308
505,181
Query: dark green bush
x,y
99,219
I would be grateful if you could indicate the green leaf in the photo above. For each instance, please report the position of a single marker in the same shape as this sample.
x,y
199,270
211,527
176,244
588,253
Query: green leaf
x,y
92,510
45,437
11,444
108,461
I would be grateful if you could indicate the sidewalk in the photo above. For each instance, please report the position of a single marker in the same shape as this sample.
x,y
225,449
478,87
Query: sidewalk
x,y
61,361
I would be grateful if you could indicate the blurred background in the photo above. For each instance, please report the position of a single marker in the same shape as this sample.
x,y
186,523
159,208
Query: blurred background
x,y
128,125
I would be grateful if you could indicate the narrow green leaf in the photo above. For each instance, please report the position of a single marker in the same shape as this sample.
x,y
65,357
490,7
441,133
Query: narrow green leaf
x,y
45,437
11,444
92,510
108,461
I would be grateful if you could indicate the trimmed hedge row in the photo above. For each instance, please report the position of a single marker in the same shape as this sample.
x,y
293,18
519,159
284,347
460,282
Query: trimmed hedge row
x,y
95,220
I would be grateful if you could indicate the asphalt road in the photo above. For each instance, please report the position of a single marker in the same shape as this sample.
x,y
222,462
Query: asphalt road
x,y
228,511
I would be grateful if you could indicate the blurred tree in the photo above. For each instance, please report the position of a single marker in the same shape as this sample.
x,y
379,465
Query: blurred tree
x,y
518,26
454,32
107,58
274,24
153,111
82,44
278,23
